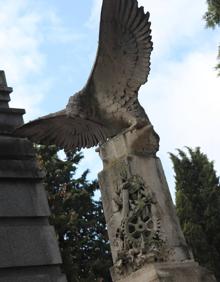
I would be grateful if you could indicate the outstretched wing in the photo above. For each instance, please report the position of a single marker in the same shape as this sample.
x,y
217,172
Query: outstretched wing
x,y
123,59
121,67
63,131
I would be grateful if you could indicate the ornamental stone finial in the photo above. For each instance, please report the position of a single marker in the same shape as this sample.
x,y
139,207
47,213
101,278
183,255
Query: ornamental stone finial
x,y
3,81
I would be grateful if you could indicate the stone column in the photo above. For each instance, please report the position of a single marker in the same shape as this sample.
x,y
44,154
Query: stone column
x,y
146,240
29,250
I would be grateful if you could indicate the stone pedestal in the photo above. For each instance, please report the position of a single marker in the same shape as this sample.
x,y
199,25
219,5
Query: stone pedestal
x,y
146,240
28,246
188,271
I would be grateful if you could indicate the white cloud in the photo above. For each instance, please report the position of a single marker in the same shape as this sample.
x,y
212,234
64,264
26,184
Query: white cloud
x,y
19,40
20,55
183,103
174,21
182,95
94,18
25,27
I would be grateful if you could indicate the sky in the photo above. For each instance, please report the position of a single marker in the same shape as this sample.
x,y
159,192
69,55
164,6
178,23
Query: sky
x,y
47,49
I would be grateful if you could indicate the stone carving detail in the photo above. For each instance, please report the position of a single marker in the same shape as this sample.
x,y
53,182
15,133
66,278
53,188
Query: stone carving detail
x,y
108,104
138,236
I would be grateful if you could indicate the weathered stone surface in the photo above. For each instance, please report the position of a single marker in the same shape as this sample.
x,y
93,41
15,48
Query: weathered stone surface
x,y
107,191
28,246
4,91
3,81
15,148
144,142
23,199
10,119
33,278
4,99
36,274
173,272
4,104
129,167
16,169
146,240
112,225
152,172
26,278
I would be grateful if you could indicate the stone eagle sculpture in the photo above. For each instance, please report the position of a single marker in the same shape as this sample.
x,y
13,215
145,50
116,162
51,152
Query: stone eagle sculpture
x,y
108,104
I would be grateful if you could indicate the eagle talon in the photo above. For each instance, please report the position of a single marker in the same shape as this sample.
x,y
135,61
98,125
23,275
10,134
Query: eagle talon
x,y
137,125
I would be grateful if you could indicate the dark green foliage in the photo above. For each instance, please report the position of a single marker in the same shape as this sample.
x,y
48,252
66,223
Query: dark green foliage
x,y
212,18
218,65
78,219
198,206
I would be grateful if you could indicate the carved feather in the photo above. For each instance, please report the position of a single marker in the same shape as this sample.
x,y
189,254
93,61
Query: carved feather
x,y
63,131
123,56
104,107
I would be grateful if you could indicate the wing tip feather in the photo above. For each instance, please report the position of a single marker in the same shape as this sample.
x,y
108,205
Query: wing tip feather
x,y
49,132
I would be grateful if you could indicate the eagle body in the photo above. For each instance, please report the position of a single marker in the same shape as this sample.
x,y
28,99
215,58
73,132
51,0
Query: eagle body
x,y
114,118
108,104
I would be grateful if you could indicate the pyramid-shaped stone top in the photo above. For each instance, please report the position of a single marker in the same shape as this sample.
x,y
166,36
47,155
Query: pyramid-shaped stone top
x,y
3,78
4,91
3,83
9,118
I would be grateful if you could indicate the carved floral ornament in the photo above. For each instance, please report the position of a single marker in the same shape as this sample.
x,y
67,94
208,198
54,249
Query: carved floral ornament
x,y
137,239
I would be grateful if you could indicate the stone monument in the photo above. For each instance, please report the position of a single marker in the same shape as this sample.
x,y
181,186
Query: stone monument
x,y
146,240
28,246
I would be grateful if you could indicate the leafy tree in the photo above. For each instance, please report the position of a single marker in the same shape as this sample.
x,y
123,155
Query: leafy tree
x,y
198,206
212,18
78,219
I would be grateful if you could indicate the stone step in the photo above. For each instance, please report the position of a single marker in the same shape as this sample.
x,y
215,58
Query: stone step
x,y
15,148
10,119
20,169
32,274
4,100
4,105
4,96
5,90
22,199
29,250
28,245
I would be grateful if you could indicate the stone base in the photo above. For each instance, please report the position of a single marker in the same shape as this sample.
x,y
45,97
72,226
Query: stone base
x,y
32,274
189,271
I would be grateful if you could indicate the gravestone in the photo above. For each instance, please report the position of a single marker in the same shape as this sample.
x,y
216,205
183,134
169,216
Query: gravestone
x,y
146,240
28,245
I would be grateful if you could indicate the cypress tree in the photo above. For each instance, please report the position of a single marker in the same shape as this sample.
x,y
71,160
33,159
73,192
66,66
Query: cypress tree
x,y
198,205
212,18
